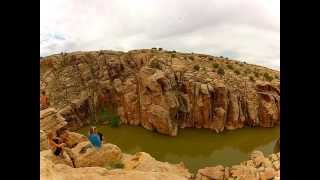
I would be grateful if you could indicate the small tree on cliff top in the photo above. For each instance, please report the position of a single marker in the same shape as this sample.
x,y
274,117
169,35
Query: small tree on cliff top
x,y
196,67
220,71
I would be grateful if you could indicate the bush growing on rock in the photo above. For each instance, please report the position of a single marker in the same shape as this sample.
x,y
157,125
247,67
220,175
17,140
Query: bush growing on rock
x,y
267,77
196,67
256,74
215,65
115,121
230,66
221,71
252,79
108,116
114,165
247,71
237,71
155,64
210,58
160,49
104,114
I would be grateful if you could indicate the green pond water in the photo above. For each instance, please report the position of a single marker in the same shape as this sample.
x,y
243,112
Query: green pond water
x,y
197,148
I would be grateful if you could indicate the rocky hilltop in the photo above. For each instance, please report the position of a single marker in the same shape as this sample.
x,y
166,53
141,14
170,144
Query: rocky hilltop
x,y
162,90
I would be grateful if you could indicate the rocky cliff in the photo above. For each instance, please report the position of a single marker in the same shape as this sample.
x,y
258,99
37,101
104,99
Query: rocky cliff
x,y
162,90
100,164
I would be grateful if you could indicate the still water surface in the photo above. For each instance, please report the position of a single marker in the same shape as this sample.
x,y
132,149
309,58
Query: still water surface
x,y
197,148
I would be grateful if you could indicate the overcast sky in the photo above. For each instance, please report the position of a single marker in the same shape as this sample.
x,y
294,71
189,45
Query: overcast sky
x,y
248,30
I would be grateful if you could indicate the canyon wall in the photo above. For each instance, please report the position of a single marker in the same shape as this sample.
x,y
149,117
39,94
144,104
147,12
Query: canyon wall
x,y
161,91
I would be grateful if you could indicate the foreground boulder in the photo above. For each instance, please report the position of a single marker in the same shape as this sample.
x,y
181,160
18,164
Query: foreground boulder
x,y
52,171
258,167
72,138
47,154
107,154
144,162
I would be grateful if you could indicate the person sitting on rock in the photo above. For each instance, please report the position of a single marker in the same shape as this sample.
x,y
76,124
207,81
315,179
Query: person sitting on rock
x,y
95,138
44,101
56,145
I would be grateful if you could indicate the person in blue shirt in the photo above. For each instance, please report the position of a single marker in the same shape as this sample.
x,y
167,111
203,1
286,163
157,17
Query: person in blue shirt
x,y
95,138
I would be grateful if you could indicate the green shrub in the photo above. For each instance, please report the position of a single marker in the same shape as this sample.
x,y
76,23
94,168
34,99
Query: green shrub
x,y
104,114
256,74
173,55
118,165
252,79
210,58
114,165
196,67
247,71
230,66
220,71
215,65
237,71
267,77
115,121
155,64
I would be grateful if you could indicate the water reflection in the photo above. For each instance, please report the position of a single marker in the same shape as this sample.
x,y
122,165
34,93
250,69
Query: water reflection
x,y
276,148
195,147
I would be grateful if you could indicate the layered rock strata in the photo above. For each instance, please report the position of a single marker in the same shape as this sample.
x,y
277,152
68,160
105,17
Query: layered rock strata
x,y
160,91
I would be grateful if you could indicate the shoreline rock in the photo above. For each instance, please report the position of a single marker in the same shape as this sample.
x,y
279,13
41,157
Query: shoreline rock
x,y
258,167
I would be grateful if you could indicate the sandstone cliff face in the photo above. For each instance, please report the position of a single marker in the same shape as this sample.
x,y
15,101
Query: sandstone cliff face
x,y
160,91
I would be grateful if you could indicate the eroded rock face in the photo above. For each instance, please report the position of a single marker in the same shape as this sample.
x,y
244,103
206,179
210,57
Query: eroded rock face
x,y
50,120
258,167
158,91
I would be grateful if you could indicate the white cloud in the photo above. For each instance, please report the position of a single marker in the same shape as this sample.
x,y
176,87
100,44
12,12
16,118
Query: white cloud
x,y
244,29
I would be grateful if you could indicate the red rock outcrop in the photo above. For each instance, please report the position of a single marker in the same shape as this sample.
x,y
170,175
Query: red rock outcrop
x,y
159,91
